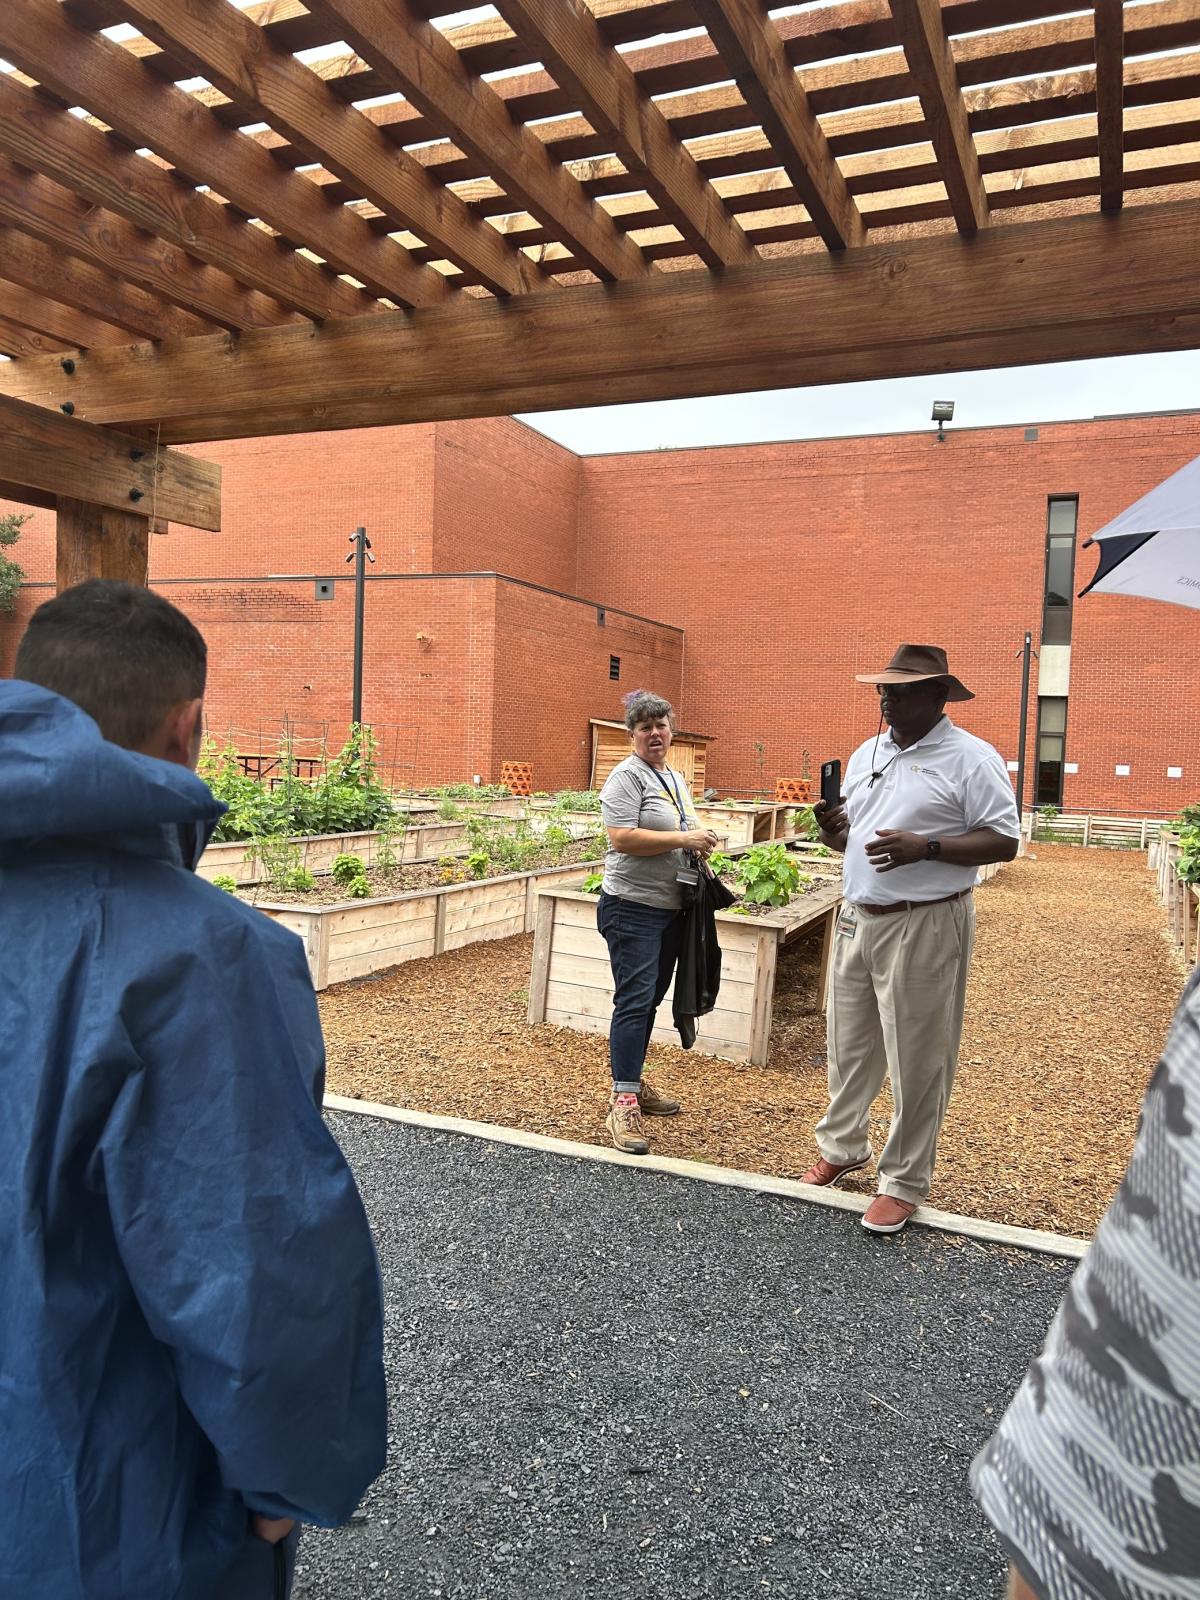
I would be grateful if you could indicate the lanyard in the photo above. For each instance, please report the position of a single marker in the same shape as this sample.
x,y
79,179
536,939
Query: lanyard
x,y
671,794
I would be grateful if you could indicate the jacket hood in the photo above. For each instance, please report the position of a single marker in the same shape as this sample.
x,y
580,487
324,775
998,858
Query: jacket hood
x,y
60,779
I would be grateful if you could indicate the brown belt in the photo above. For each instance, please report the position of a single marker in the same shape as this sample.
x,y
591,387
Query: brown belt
x,y
907,905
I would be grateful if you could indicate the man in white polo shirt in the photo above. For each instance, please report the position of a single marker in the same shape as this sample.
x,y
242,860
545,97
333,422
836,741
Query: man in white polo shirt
x,y
925,805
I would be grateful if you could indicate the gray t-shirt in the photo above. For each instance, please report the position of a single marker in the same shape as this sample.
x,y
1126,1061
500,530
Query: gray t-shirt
x,y
638,796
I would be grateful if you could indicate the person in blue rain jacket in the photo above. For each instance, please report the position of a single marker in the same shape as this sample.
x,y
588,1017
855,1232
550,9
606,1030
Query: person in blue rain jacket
x,y
190,1305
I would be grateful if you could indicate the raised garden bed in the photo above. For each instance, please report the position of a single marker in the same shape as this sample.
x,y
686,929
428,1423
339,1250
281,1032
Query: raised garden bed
x,y
748,821
354,938
571,980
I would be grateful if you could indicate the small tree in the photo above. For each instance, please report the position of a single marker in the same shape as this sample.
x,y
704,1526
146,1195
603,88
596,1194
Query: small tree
x,y
11,575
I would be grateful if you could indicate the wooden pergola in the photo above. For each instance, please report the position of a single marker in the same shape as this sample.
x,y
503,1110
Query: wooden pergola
x,y
221,221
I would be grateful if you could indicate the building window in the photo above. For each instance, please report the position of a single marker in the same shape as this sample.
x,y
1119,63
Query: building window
x,y
1060,569
599,616
614,668
1051,743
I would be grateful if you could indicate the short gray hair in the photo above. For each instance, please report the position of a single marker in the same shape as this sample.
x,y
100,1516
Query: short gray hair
x,y
645,706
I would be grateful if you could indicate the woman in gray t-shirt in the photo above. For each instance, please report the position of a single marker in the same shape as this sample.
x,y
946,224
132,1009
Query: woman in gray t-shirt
x,y
647,811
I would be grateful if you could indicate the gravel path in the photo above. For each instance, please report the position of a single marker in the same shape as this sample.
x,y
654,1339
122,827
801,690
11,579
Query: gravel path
x,y
1071,990
607,1383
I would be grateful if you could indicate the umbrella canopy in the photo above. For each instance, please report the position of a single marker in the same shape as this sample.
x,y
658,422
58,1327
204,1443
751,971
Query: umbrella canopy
x,y
1153,548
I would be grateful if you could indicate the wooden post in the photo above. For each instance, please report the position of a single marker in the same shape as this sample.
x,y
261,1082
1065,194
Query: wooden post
x,y
1087,828
97,542
539,977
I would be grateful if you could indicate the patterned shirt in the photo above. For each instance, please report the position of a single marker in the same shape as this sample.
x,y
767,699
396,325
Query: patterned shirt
x,y
1092,1479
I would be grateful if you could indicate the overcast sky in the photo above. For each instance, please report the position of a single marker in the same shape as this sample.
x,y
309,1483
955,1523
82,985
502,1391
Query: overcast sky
x,y
1062,392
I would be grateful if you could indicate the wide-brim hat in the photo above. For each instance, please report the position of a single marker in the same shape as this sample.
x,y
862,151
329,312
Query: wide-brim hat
x,y
918,663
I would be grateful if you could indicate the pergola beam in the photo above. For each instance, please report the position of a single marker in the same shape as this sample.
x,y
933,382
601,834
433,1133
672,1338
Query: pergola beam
x,y
80,158
69,458
1110,101
419,62
753,52
927,51
566,38
1053,290
48,316
268,83
94,72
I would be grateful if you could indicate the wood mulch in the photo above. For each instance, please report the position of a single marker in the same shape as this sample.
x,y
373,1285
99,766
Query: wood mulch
x,y
1072,987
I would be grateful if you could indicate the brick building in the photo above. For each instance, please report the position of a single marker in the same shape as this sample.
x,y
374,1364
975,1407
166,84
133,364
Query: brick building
x,y
520,590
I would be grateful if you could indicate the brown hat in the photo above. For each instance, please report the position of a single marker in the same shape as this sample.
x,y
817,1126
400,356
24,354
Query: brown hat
x,y
917,663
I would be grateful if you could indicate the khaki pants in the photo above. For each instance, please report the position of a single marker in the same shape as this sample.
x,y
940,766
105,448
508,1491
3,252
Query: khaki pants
x,y
896,1006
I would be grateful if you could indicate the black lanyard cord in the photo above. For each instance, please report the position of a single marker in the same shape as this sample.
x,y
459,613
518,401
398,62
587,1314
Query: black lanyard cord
x,y
671,794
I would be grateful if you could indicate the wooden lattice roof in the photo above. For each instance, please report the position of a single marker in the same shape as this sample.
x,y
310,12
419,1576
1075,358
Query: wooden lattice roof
x,y
652,198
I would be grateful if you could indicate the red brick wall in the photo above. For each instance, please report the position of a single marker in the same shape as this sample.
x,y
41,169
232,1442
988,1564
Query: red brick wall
x,y
506,500
794,566
552,675
790,566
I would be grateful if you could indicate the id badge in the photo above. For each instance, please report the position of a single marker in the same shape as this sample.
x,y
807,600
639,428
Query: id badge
x,y
847,922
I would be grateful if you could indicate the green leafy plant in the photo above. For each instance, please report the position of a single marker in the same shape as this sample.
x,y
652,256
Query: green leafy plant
x,y
804,823
447,810
820,850
600,842
1043,823
282,861
224,881
347,798
345,868
577,800
592,883
768,875
11,575
452,869
298,879
720,863
556,838
478,863
1187,867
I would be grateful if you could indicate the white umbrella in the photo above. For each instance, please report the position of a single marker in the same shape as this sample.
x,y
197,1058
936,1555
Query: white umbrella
x,y
1153,548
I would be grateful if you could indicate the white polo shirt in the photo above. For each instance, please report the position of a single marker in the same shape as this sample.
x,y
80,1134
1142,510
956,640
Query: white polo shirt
x,y
947,783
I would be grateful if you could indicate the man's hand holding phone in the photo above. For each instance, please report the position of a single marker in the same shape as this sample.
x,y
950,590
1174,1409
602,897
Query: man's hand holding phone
x,y
830,809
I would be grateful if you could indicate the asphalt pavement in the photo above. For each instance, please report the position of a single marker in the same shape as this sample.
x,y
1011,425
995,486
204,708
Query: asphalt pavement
x,y
619,1384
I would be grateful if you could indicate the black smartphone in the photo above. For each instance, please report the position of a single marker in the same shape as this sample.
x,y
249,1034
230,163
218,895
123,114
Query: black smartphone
x,y
831,784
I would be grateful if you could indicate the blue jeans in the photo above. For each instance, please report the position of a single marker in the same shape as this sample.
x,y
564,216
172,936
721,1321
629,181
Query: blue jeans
x,y
643,947
261,1571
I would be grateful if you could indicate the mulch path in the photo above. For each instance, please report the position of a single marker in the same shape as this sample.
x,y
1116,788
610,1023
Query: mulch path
x,y
1072,987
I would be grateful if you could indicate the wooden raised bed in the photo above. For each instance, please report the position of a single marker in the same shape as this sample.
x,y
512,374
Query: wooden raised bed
x,y
357,937
748,821
426,842
571,980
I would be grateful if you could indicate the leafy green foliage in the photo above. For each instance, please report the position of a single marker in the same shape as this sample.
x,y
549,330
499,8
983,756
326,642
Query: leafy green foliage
x,y
478,863
447,810
224,881
1189,817
556,837
769,875
11,575
470,791
591,884
345,867
1043,823
577,800
297,879
347,798
720,863
804,823
1187,868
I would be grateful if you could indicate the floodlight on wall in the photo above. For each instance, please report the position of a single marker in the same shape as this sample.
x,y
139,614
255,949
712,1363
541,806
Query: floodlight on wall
x,y
943,412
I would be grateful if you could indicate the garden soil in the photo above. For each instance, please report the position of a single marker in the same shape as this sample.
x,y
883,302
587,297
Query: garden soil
x,y
1072,988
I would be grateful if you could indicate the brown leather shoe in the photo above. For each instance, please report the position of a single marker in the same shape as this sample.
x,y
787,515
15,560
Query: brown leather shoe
x,y
825,1172
886,1214
624,1124
654,1103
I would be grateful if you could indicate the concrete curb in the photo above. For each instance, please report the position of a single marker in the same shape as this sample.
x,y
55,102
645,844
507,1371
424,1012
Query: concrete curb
x,y
978,1228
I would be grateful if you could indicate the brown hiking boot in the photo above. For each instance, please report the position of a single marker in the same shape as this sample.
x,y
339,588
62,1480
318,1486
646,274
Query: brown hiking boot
x,y
653,1103
624,1124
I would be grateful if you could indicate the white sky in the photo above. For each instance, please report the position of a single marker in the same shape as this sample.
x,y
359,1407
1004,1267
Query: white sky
x,y
1066,391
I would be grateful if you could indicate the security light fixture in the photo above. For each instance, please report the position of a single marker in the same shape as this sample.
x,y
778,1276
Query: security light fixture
x,y
943,412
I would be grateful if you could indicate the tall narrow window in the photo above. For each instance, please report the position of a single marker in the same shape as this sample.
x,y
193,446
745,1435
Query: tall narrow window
x,y
1051,745
614,668
1060,569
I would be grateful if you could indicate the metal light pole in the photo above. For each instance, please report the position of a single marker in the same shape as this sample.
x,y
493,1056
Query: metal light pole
x,y
360,555
1026,652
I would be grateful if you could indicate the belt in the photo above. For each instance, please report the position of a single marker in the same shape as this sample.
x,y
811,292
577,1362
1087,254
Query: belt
x,y
908,905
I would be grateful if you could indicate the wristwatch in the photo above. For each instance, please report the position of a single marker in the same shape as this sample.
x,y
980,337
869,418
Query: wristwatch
x,y
933,849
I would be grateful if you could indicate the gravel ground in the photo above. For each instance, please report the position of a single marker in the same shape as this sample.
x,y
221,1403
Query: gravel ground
x,y
1071,990
607,1383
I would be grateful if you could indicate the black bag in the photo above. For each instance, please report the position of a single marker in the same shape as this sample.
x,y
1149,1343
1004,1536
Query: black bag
x,y
698,974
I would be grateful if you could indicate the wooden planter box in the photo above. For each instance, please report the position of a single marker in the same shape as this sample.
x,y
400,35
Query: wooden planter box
x,y
571,981
358,937
748,822
426,842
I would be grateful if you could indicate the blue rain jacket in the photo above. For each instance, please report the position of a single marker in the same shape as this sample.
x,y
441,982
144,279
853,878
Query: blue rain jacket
x,y
190,1307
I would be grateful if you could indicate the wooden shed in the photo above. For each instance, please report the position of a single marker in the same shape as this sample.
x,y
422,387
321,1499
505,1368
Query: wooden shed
x,y
610,744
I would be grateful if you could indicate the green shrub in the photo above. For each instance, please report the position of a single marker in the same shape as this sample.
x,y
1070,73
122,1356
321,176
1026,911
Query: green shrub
x,y
447,811
768,875
345,868
556,838
478,863
297,879
577,800
1187,868
357,887
224,881
347,798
